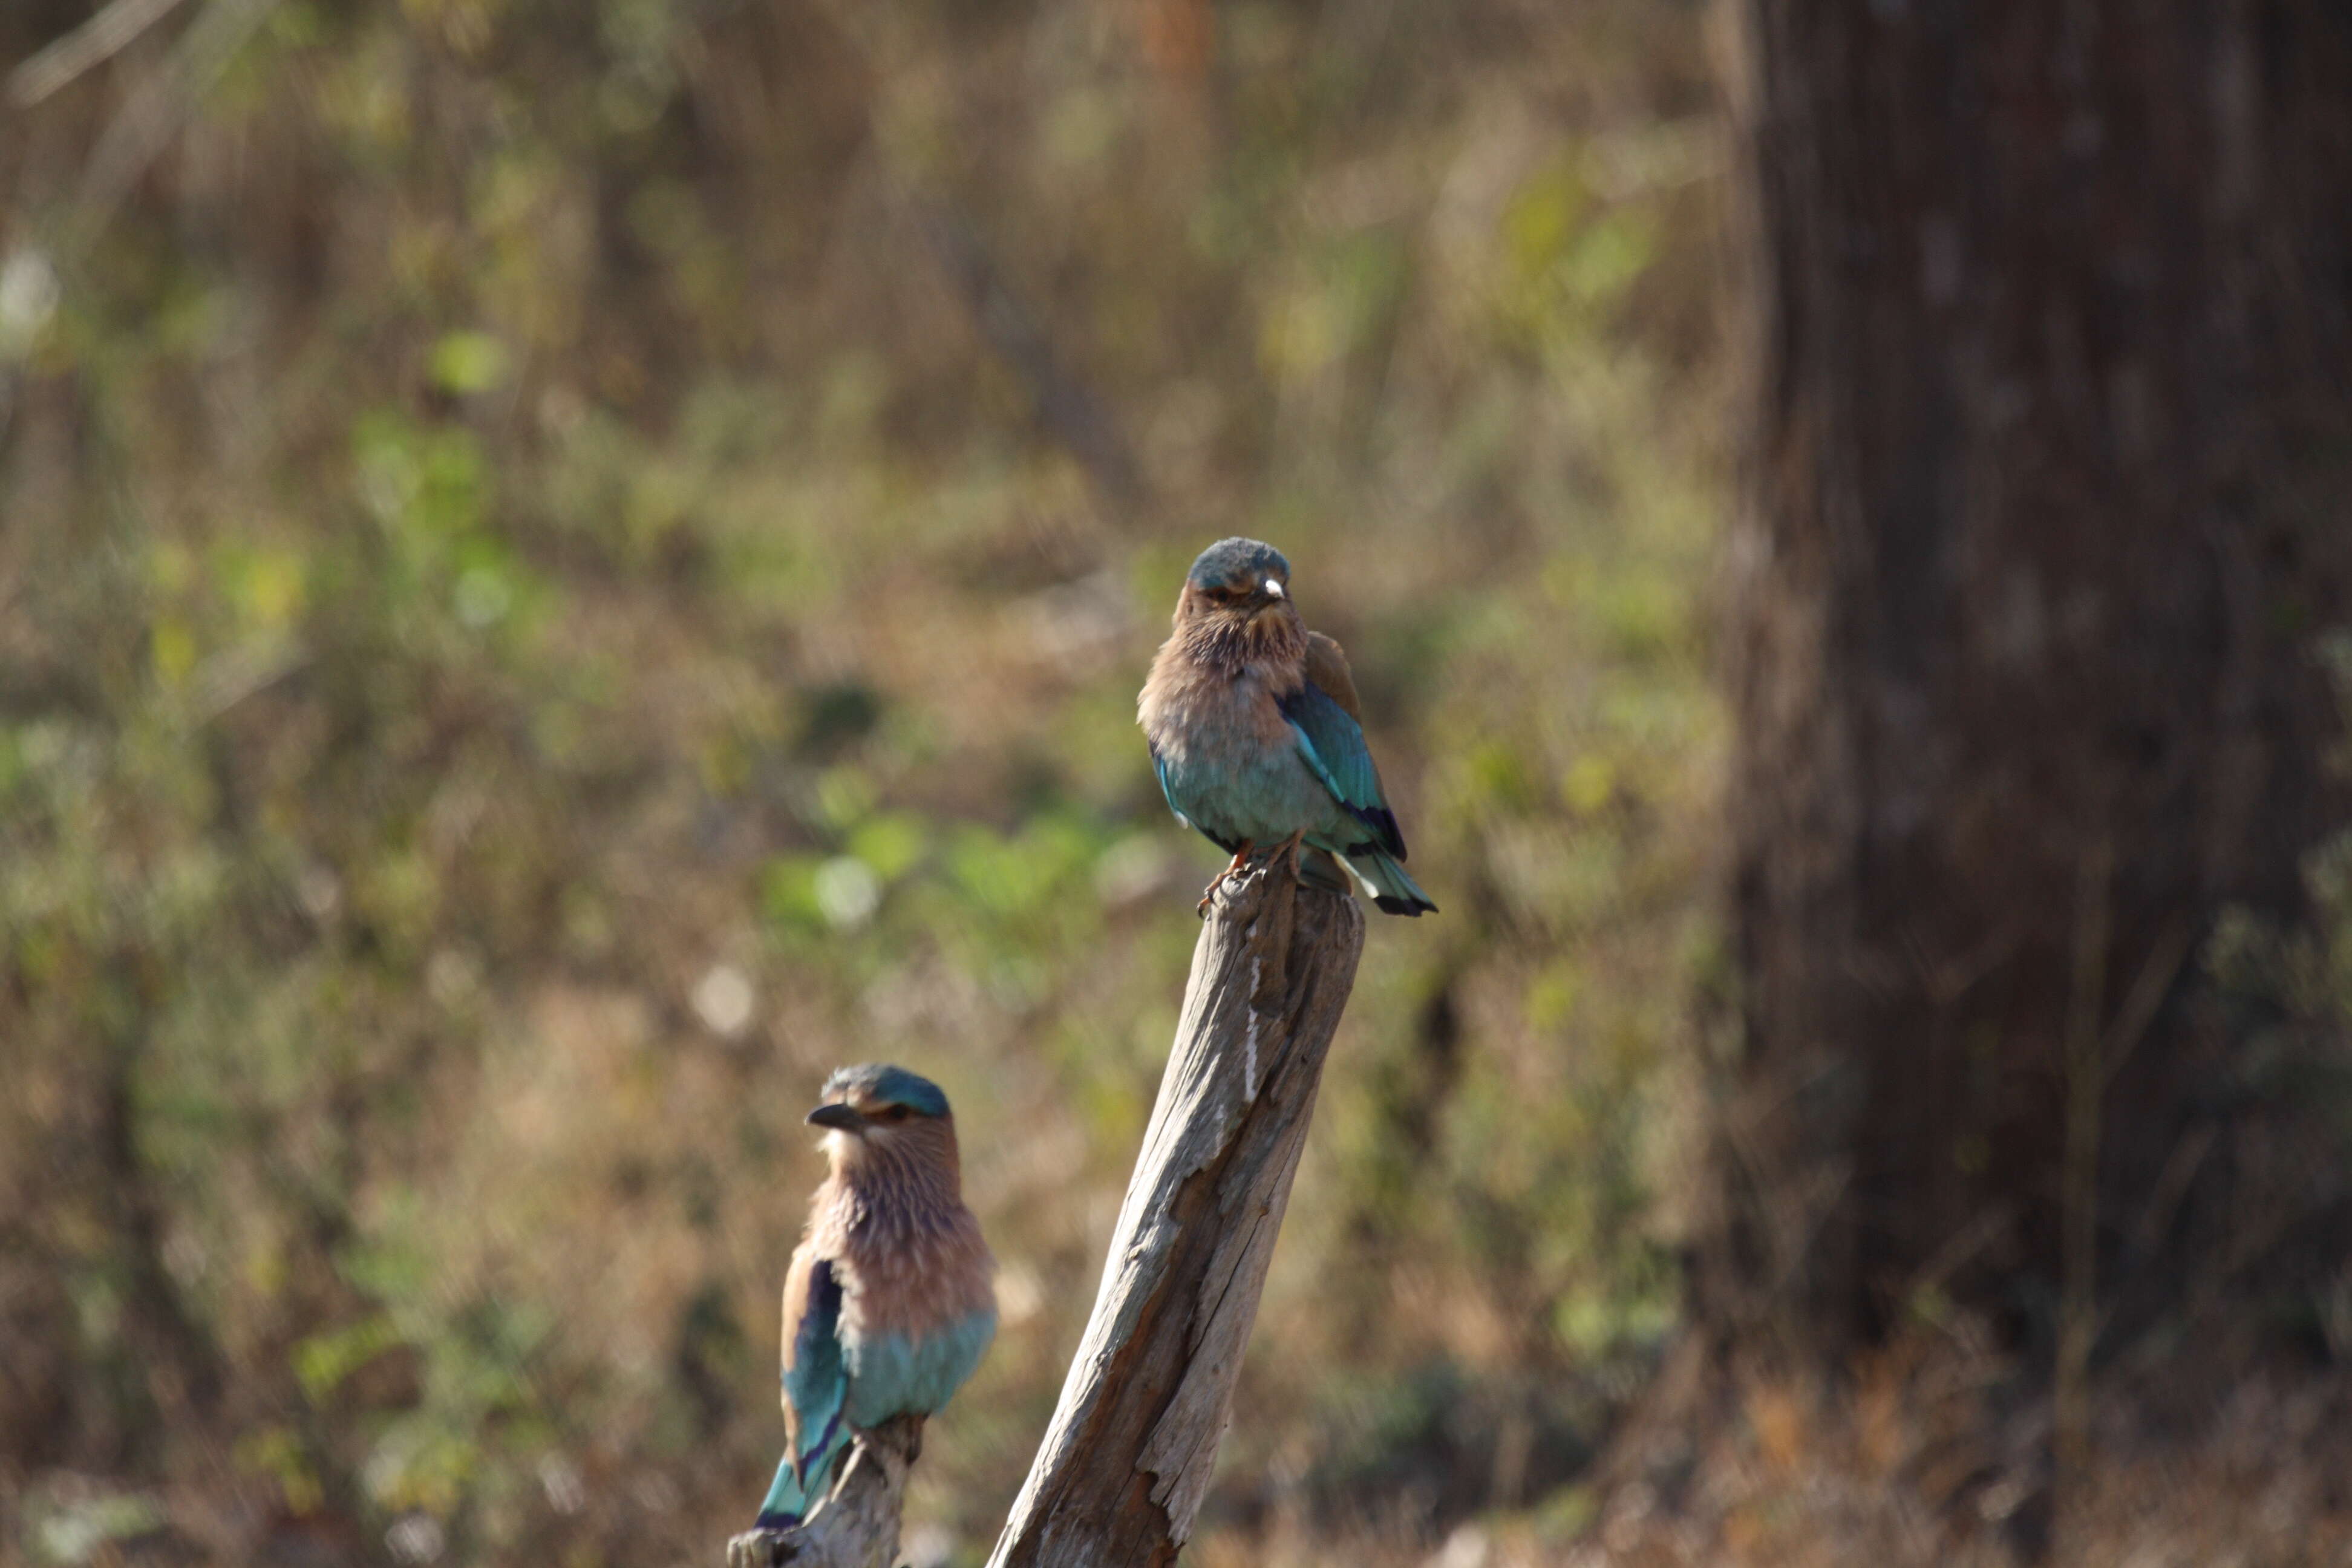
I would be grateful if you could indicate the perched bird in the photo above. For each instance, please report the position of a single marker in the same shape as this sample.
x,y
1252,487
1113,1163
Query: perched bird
x,y
888,1304
1254,731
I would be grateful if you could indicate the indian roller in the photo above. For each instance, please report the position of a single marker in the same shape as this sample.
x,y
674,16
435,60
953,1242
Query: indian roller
x,y
888,1303
1256,735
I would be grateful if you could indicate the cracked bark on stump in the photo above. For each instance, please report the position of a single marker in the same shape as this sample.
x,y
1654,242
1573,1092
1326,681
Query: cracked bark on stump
x,y
1133,1441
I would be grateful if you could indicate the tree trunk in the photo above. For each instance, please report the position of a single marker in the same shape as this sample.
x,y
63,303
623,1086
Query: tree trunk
x,y
2044,521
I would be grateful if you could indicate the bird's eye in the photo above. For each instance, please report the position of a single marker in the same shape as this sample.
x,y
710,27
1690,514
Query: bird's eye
x,y
893,1113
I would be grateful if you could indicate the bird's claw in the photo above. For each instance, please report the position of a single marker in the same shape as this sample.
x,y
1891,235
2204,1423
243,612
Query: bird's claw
x,y
1289,849
758,1549
1208,893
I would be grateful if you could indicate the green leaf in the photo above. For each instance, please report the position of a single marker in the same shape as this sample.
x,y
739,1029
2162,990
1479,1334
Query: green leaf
x,y
465,364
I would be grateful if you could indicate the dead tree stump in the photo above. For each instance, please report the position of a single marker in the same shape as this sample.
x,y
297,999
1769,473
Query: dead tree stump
x,y
1129,1456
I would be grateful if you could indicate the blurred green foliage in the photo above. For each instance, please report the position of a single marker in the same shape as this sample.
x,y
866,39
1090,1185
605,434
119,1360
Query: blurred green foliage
x,y
535,619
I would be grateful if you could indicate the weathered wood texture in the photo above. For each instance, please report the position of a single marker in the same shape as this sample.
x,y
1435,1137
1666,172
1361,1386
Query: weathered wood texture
x,y
859,1525
1128,1457
2044,520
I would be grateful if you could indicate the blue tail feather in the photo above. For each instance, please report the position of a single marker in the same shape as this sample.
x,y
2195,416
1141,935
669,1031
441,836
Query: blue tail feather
x,y
1393,890
791,1501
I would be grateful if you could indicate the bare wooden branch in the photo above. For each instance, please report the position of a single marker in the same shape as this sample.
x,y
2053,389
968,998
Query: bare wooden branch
x,y
1128,1458
154,114
84,48
859,1525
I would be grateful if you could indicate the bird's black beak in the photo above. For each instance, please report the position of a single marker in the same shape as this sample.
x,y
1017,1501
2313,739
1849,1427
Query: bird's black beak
x,y
838,1117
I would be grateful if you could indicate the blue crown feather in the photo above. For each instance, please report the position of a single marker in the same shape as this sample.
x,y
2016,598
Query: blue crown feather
x,y
887,1085
1229,559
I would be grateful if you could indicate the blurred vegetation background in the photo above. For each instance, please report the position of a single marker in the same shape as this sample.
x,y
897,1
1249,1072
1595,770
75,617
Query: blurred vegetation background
x,y
568,565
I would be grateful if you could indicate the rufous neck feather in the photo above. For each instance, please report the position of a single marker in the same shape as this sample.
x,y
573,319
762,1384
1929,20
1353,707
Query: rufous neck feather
x,y
1230,641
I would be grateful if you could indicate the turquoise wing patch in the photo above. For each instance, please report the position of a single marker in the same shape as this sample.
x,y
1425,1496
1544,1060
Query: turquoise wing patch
x,y
1333,745
816,1389
817,1380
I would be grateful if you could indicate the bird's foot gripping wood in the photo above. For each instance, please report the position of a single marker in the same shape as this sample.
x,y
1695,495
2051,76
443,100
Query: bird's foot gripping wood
x,y
1208,893
1290,850
856,1526
760,1548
